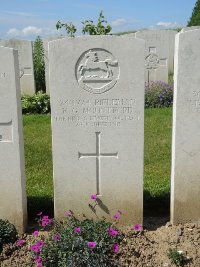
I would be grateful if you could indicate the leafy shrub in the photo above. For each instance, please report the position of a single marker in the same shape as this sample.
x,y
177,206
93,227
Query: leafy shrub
x,y
195,17
158,94
8,233
78,243
39,103
39,65
176,257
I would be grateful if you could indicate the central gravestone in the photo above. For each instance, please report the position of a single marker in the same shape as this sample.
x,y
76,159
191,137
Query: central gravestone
x,y
97,101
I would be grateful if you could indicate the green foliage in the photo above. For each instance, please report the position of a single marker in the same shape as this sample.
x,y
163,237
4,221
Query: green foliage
x,y
195,18
158,94
69,27
39,103
8,233
88,27
72,248
176,257
99,29
39,65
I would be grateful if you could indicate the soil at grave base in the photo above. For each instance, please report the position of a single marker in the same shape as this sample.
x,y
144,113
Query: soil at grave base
x,y
148,249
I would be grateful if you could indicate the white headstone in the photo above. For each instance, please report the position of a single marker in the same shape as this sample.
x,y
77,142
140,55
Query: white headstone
x,y
12,168
25,53
97,100
159,53
190,28
46,59
185,177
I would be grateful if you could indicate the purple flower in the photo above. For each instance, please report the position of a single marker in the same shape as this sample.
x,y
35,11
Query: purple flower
x,y
93,197
115,248
68,213
92,244
35,248
113,232
77,230
116,216
46,221
20,242
37,259
56,237
137,227
36,233
40,265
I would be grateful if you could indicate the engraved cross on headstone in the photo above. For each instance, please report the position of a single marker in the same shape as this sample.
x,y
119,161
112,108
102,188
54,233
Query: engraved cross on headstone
x,y
98,155
153,62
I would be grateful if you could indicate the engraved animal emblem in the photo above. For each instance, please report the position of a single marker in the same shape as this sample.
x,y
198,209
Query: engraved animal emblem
x,y
152,61
95,68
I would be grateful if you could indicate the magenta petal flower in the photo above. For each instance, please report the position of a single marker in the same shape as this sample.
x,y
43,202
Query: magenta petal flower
x,y
56,237
116,216
36,233
38,259
35,248
93,197
115,248
92,244
137,227
77,230
40,243
20,242
112,232
68,213
40,265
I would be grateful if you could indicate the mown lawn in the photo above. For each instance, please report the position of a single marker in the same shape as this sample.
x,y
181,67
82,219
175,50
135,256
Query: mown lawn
x,y
39,173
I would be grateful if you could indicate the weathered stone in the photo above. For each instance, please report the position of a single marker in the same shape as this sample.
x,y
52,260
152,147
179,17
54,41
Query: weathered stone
x,y
25,53
159,53
97,101
12,170
185,177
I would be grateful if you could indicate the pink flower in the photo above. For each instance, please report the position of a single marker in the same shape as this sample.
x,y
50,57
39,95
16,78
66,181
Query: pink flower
x,y
77,230
56,237
40,243
37,259
36,233
35,248
120,212
39,213
46,221
137,227
40,265
113,232
93,197
68,213
20,242
92,244
116,216
115,248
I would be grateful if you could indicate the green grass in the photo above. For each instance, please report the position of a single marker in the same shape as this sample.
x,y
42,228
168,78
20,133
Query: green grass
x,y
37,135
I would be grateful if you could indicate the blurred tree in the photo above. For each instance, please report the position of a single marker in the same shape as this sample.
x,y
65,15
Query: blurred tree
x,y
195,18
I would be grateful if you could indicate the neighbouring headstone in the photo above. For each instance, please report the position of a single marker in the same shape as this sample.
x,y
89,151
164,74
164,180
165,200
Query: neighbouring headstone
x,y
185,177
97,101
159,53
12,168
25,53
190,28
46,59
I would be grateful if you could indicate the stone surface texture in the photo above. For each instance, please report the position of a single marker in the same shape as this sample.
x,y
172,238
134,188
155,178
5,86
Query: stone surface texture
x,y
97,100
46,59
159,53
25,53
185,177
12,167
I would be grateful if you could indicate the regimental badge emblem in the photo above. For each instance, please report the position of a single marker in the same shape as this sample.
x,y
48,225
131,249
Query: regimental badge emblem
x,y
152,61
97,71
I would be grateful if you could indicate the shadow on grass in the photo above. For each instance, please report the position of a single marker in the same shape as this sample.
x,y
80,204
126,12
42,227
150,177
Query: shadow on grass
x,y
37,204
156,210
156,206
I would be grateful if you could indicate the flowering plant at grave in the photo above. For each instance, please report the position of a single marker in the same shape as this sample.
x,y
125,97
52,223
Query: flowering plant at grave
x,y
158,94
73,242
